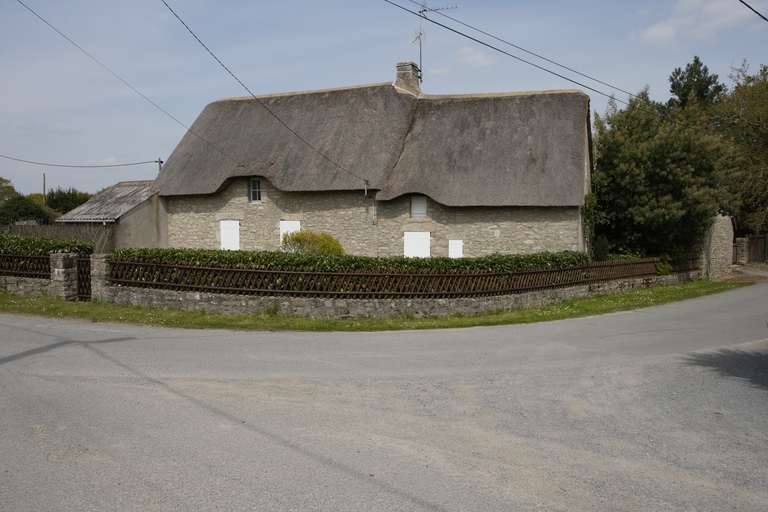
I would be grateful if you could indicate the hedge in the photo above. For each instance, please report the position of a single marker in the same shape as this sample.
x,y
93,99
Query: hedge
x,y
341,263
40,246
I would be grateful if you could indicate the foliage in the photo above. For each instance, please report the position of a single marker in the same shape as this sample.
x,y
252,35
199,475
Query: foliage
x,y
695,83
36,197
20,208
6,190
338,263
101,236
66,200
36,246
742,117
307,241
660,177
600,251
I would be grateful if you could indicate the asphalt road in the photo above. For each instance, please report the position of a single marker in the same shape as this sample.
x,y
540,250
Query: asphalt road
x,y
657,409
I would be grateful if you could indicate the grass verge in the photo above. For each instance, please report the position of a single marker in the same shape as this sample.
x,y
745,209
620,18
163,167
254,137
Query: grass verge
x,y
102,312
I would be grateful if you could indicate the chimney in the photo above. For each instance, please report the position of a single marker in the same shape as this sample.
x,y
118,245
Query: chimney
x,y
408,77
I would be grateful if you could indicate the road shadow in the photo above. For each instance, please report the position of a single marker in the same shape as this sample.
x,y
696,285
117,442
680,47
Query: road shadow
x,y
751,366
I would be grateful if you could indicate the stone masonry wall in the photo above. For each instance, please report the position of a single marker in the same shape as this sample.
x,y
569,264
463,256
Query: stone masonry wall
x,y
717,252
366,227
365,308
62,283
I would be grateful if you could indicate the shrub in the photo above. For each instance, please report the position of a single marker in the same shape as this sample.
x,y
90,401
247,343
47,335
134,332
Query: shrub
x,y
339,263
39,246
601,249
309,242
19,208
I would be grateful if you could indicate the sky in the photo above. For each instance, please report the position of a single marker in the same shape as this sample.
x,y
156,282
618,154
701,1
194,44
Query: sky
x,y
58,106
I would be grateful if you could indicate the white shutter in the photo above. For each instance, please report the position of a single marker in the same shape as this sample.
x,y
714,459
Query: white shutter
x,y
289,226
416,244
230,235
418,207
455,248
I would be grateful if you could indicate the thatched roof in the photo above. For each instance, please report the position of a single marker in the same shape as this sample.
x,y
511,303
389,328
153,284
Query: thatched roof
x,y
113,203
523,149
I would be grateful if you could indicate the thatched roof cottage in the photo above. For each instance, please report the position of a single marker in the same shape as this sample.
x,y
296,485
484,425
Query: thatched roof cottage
x,y
386,169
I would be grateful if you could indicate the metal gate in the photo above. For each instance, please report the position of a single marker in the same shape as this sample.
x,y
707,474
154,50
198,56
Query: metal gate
x,y
84,278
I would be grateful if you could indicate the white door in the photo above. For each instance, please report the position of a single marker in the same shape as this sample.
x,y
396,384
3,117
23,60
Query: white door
x,y
289,226
230,235
455,248
416,244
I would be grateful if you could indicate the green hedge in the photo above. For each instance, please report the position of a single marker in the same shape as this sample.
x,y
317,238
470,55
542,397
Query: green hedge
x,y
340,263
39,246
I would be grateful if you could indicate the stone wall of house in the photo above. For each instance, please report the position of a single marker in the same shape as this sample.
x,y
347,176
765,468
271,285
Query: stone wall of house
x,y
364,308
717,252
366,227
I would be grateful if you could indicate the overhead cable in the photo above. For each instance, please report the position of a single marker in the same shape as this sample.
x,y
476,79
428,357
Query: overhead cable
x,y
79,166
753,10
126,83
339,166
527,51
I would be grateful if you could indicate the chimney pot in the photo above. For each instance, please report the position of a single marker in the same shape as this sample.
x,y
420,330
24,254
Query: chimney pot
x,y
408,77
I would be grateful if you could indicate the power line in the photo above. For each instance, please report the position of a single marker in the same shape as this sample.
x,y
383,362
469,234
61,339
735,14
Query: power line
x,y
262,103
126,83
78,166
462,34
526,51
753,10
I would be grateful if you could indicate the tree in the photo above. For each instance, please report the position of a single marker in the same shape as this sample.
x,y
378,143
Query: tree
x,y
66,200
742,118
6,190
660,177
19,208
694,83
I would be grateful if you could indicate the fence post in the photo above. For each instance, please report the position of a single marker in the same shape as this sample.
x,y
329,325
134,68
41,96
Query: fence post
x,y
64,276
742,251
99,277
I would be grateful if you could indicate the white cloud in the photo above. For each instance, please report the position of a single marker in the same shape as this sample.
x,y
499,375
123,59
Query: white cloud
x,y
474,58
48,129
696,19
106,161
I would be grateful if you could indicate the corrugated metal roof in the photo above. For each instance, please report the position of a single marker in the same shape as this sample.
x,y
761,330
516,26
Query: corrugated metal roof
x,y
111,204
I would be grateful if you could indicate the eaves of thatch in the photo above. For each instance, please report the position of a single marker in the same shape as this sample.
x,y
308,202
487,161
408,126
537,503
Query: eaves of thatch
x,y
521,149
113,203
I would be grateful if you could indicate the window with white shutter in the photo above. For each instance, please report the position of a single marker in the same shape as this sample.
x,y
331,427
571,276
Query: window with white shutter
x,y
418,207
289,226
230,235
455,248
416,244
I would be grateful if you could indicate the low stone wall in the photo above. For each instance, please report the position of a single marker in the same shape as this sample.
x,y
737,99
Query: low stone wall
x,y
25,285
366,308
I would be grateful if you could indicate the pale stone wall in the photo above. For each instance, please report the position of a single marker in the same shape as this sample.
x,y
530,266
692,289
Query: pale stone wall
x,y
368,228
62,283
365,308
717,252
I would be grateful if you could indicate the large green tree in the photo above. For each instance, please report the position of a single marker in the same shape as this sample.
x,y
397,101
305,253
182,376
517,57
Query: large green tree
x,y
694,83
63,200
20,208
660,177
6,190
742,118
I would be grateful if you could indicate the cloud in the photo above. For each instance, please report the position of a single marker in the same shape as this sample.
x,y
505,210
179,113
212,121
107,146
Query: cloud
x,y
48,129
695,19
106,161
474,58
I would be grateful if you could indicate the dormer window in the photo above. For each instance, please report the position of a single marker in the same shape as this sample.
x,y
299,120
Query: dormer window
x,y
418,207
255,190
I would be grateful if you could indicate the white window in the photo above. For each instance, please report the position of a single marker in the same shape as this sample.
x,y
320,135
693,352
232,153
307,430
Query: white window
x,y
455,248
230,235
416,244
255,190
418,207
289,226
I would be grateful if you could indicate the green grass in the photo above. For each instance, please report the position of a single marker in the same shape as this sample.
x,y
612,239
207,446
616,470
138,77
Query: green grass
x,y
102,312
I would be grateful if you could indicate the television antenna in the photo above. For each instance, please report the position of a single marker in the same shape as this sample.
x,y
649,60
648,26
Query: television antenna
x,y
420,34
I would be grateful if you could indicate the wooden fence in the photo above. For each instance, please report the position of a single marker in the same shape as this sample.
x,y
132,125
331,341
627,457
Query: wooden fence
x,y
374,285
25,266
